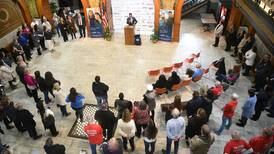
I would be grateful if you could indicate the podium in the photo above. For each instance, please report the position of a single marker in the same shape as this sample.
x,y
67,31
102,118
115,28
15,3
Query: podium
x,y
129,35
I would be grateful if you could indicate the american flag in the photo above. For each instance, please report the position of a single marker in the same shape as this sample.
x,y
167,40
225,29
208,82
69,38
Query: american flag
x,y
104,16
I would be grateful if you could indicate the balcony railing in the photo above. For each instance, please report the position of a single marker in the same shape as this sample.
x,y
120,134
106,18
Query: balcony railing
x,y
266,7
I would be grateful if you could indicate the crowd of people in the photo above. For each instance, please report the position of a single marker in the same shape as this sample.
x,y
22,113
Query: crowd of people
x,y
185,121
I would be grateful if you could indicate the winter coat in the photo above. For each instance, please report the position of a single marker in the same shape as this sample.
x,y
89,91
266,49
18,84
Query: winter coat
x,y
6,73
201,144
149,99
26,118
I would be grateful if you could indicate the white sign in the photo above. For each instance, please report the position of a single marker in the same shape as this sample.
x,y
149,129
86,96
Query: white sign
x,y
142,10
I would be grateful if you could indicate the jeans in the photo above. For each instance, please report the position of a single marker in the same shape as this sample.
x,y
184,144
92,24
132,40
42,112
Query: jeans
x,y
139,129
217,39
34,94
63,110
226,123
93,148
79,113
243,120
151,145
131,142
46,96
168,146
100,99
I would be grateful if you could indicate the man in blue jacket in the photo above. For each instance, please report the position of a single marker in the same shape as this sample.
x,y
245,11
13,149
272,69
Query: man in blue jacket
x,y
248,108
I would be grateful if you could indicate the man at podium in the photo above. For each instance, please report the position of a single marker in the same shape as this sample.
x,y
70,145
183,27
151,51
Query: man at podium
x,y
131,21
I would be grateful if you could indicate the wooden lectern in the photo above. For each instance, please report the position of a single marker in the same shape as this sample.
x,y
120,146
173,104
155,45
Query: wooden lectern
x,y
129,35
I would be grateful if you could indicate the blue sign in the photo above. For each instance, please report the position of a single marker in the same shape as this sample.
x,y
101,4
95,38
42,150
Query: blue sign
x,y
166,25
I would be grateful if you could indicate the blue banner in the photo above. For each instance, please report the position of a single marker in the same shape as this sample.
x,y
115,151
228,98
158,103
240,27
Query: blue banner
x,y
166,25
95,22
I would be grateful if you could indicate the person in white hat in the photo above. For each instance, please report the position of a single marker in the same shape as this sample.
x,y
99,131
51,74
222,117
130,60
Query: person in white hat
x,y
228,113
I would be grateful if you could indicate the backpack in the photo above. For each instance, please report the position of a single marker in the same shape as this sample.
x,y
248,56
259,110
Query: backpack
x,y
49,121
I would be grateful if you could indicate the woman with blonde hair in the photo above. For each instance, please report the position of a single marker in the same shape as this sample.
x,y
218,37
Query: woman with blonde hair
x,y
126,129
195,123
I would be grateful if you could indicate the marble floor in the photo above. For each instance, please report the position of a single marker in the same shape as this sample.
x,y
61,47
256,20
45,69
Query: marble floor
x,y
124,69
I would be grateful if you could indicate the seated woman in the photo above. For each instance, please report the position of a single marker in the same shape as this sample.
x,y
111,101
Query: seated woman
x,y
230,78
161,82
173,80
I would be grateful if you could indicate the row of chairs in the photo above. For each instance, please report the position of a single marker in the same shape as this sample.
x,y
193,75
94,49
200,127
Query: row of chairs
x,y
175,66
183,83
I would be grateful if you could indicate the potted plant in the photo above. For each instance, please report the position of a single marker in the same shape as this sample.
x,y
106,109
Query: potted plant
x,y
53,7
107,34
154,37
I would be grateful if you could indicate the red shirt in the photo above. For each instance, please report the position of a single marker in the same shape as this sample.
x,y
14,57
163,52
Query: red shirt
x,y
229,109
260,144
217,90
236,146
95,133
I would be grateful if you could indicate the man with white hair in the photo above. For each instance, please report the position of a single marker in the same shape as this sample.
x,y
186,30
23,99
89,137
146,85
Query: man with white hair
x,y
228,113
175,128
236,145
197,71
95,134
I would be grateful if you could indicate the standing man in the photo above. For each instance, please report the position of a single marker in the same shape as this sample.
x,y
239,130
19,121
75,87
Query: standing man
x,y
26,118
236,145
201,144
122,104
175,129
131,21
262,143
100,90
95,134
228,113
250,57
106,119
248,108
218,32
230,38
80,22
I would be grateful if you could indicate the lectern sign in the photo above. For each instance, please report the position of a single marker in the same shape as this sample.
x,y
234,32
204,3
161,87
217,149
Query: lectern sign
x,y
166,24
95,22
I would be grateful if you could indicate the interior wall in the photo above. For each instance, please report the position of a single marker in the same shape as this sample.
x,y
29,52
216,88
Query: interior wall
x,y
10,17
142,10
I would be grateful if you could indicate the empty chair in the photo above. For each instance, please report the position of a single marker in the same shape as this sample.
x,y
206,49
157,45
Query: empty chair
x,y
178,65
237,68
176,87
168,69
197,78
196,55
205,72
185,82
154,72
160,91
189,60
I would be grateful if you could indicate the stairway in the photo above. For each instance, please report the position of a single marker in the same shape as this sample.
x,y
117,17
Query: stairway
x,y
192,5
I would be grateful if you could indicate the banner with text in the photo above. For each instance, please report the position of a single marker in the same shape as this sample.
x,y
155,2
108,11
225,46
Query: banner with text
x,y
95,22
166,24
